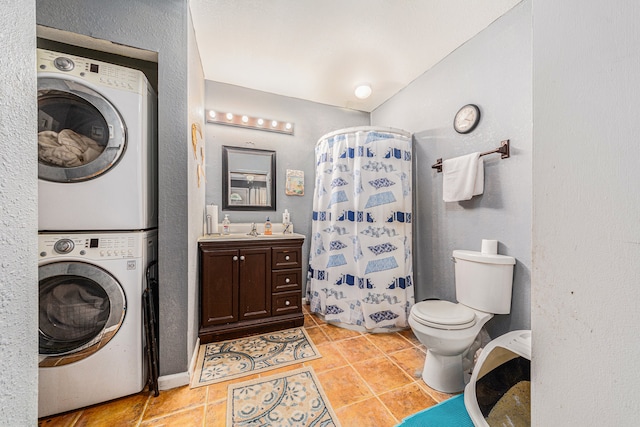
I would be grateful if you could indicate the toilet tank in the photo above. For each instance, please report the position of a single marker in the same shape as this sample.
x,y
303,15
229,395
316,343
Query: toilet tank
x,y
484,281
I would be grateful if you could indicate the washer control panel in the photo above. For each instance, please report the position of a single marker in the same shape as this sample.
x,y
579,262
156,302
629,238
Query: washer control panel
x,y
98,246
96,72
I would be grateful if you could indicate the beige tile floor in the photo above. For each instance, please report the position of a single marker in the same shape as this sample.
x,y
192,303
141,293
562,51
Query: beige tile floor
x,y
370,380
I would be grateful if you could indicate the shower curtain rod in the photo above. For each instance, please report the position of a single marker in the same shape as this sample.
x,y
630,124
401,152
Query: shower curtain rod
x,y
503,150
367,129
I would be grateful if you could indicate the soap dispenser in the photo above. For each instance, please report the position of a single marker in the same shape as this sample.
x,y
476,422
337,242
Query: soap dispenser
x,y
267,227
226,224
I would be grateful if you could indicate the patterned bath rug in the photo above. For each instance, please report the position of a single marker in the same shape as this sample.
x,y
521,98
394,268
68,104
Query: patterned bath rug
x,y
293,398
226,360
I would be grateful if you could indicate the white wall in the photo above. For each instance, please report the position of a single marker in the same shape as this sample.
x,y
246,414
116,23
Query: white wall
x,y
492,70
586,217
18,217
196,184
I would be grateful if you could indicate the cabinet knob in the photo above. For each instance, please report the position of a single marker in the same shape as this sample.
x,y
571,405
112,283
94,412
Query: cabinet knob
x,y
287,303
241,257
287,280
286,258
235,258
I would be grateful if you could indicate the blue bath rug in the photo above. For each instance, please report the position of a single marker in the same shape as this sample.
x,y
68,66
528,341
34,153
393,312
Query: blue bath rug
x,y
450,413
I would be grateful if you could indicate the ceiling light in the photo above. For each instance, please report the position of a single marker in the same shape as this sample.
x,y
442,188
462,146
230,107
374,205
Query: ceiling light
x,y
363,91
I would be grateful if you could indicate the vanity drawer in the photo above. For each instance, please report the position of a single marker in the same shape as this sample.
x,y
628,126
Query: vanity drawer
x,y
286,280
286,257
286,302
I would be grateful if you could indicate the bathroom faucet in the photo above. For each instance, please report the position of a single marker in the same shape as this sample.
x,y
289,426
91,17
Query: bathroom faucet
x,y
254,230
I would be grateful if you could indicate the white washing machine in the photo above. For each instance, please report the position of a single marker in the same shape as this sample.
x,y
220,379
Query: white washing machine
x,y
91,342
97,146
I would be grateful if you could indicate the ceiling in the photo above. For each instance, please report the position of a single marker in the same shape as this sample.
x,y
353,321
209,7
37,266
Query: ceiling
x,y
319,50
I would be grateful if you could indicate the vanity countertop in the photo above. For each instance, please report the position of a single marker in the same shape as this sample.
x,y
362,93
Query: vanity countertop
x,y
247,237
240,231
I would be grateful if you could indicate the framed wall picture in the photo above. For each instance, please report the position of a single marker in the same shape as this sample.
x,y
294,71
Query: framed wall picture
x,y
294,183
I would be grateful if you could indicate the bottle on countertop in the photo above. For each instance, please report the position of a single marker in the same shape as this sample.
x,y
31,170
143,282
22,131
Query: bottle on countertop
x,y
226,224
286,218
267,227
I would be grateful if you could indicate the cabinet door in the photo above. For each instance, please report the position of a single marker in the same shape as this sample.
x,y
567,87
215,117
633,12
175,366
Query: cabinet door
x,y
219,286
255,283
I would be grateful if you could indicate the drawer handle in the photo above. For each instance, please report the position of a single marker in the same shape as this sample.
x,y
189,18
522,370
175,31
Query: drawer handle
x,y
287,302
241,257
235,258
286,258
287,280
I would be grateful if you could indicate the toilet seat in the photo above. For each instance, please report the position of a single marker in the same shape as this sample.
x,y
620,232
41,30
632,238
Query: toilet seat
x,y
443,315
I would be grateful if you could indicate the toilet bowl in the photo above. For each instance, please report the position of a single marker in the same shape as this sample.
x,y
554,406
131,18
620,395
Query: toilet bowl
x,y
449,344
450,330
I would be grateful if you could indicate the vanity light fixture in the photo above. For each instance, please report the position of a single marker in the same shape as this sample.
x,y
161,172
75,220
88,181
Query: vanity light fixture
x,y
245,121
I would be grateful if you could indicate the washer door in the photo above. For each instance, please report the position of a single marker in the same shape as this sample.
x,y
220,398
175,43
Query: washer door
x,y
81,309
81,135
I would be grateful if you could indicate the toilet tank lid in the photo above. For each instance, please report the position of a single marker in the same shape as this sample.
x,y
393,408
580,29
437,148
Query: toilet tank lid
x,y
484,258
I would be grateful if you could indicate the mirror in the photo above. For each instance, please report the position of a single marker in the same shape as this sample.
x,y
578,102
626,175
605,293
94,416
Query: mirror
x,y
248,179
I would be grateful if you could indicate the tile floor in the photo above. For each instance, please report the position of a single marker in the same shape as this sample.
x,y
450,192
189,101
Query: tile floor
x,y
370,380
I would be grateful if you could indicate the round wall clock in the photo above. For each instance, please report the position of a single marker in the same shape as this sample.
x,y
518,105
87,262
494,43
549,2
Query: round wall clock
x,y
466,118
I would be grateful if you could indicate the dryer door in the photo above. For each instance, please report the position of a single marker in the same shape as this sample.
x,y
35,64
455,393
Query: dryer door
x,y
81,308
81,135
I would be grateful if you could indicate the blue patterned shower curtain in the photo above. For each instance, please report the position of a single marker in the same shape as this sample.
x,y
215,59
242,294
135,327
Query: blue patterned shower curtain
x,y
360,269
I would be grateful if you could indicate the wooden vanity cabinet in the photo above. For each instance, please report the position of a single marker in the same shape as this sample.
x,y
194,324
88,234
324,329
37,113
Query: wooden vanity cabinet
x,y
249,286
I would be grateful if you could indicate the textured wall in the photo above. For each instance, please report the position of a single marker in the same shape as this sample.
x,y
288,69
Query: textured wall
x,y
586,217
18,217
196,191
492,70
161,27
312,120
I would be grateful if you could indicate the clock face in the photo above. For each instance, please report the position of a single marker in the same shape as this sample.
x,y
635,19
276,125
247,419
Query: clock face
x,y
466,119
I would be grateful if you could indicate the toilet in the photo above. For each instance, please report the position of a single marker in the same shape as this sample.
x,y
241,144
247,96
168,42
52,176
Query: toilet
x,y
450,330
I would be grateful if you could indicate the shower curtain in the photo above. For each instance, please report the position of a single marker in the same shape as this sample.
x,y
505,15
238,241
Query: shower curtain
x,y
360,269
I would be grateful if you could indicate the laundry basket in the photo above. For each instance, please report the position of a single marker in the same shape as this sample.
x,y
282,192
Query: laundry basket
x,y
499,390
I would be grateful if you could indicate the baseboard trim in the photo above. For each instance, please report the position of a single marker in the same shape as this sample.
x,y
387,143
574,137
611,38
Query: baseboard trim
x,y
167,382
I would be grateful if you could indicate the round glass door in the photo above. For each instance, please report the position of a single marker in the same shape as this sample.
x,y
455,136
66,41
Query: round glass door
x,y
81,307
80,133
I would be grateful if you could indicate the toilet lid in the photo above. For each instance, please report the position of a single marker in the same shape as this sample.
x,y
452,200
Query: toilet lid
x,y
443,315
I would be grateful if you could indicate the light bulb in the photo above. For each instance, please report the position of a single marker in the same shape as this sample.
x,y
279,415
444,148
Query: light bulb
x,y
288,126
363,91
245,119
274,123
229,116
260,122
212,114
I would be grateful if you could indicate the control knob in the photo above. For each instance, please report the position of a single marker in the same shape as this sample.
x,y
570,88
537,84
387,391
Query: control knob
x,y
63,246
63,64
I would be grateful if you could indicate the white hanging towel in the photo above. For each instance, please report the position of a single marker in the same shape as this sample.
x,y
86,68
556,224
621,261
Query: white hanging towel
x,y
463,177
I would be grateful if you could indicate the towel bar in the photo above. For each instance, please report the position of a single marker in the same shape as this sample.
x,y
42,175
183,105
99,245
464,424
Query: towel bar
x,y
503,150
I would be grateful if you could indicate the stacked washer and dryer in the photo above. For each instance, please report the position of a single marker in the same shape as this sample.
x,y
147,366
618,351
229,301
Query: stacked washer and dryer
x,y
97,221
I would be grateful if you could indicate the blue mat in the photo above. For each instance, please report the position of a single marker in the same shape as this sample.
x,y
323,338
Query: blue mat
x,y
450,413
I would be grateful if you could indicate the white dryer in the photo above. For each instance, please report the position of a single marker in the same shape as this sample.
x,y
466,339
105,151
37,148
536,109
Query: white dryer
x,y
90,317
97,146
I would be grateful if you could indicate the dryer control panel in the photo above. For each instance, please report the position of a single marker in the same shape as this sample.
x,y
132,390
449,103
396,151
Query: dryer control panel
x,y
90,246
96,72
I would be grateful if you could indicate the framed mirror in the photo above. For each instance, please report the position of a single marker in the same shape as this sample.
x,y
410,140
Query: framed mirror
x,y
248,179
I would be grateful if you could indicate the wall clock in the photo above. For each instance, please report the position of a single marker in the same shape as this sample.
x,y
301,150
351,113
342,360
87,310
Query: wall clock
x,y
466,118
